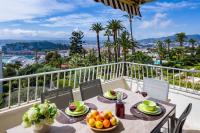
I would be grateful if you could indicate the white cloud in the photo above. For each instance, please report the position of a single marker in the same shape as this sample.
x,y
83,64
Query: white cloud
x,y
28,9
160,20
30,34
83,20
166,6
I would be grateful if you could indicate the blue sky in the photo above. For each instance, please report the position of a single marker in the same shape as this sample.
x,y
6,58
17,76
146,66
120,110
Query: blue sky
x,y
56,19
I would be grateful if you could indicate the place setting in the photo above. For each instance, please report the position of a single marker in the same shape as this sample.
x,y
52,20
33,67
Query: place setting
x,y
111,96
75,112
148,110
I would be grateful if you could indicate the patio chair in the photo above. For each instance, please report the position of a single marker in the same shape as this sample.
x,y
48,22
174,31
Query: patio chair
x,y
91,89
181,120
61,97
157,89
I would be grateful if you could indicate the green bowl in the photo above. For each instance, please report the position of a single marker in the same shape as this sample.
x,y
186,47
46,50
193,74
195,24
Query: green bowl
x,y
79,105
149,105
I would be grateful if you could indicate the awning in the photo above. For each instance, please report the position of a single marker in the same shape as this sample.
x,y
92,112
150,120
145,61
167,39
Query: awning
x,y
132,7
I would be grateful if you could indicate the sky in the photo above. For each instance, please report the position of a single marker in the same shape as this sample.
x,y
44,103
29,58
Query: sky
x,y
56,19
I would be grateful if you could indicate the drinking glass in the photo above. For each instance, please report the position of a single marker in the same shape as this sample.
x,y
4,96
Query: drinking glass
x,y
144,93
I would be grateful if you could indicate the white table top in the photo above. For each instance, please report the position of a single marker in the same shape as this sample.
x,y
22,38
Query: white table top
x,y
127,125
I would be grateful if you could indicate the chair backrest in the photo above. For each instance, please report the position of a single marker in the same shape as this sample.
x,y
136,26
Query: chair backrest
x,y
91,89
157,89
182,118
61,97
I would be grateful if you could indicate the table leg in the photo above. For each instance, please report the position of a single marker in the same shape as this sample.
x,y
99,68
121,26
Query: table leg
x,y
172,121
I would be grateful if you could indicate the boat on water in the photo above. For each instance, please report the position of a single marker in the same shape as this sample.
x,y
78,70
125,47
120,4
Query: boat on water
x,y
8,59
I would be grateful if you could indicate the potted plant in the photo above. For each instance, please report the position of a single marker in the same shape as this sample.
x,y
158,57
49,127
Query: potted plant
x,y
40,117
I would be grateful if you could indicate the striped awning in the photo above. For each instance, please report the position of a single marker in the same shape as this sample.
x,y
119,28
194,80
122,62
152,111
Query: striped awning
x,y
130,6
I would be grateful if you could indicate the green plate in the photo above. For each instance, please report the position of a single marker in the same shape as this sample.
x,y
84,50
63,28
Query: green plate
x,y
106,95
141,108
79,113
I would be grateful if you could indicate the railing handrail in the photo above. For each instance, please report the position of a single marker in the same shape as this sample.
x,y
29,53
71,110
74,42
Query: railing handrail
x,y
73,69
186,70
55,72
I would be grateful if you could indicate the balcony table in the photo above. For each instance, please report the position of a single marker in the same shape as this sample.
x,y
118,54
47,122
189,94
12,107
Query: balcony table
x,y
129,124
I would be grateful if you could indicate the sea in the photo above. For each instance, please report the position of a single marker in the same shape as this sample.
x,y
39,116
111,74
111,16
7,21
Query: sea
x,y
6,58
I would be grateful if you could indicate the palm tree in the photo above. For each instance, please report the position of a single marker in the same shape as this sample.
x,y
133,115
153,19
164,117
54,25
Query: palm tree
x,y
192,42
108,44
130,18
160,49
125,42
134,44
179,51
180,37
97,27
115,25
168,42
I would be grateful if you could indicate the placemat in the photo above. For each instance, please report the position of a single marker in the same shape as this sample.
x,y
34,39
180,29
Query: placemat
x,y
106,100
146,117
66,119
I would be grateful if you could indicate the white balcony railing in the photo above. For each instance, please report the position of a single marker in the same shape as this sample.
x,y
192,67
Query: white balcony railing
x,y
27,88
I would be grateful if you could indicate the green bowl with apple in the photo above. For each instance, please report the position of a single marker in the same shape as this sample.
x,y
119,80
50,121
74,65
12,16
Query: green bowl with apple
x,y
76,106
149,105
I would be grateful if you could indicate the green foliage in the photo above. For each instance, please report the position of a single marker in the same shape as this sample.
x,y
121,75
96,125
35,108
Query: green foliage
x,y
46,69
97,27
140,57
40,114
30,69
9,71
161,50
76,60
180,37
76,42
2,100
53,59
125,42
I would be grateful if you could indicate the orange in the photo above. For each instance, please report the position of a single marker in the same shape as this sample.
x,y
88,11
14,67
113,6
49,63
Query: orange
x,y
94,113
106,123
99,118
107,114
91,122
99,124
113,121
88,117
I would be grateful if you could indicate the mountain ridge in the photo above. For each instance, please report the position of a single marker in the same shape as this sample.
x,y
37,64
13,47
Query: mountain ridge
x,y
173,38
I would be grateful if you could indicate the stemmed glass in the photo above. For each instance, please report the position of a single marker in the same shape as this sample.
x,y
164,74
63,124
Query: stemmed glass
x,y
143,93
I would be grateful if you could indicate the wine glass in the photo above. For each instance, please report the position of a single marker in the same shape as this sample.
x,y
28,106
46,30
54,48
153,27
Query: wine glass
x,y
119,96
144,93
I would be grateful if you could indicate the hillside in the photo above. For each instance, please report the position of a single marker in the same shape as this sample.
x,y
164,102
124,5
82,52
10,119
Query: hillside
x,y
36,45
153,40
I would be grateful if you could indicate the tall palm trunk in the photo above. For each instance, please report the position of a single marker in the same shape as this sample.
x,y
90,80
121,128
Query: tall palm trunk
x,y
193,49
124,56
109,52
115,48
98,45
131,27
131,30
119,46
160,60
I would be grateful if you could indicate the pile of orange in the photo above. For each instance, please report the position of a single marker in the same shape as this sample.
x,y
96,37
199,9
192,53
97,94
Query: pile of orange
x,y
100,120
